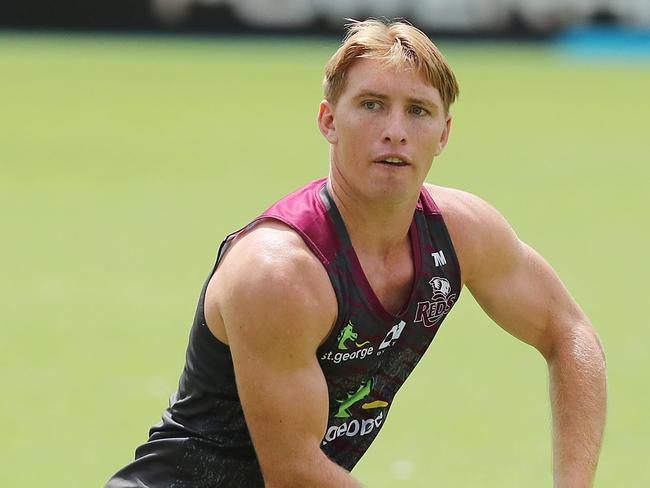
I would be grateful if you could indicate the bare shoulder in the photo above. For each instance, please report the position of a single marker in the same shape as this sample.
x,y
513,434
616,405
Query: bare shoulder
x,y
269,279
461,207
479,232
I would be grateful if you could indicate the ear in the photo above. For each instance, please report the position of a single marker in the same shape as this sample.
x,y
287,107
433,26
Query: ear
x,y
326,121
444,136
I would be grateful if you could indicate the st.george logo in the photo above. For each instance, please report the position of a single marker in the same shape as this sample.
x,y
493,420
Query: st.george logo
x,y
347,342
348,334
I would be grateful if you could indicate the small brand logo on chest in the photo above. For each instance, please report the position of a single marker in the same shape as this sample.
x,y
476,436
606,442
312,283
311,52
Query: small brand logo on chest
x,y
439,258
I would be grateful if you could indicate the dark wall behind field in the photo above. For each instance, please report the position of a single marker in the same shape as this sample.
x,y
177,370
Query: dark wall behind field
x,y
115,15
229,16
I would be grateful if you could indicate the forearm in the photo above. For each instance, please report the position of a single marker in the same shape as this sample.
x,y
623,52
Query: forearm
x,y
330,475
578,401
322,473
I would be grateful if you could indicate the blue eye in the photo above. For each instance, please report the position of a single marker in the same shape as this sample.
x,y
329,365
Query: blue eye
x,y
418,110
371,105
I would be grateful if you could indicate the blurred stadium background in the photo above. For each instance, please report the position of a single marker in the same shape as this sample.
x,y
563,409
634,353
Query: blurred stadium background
x,y
135,135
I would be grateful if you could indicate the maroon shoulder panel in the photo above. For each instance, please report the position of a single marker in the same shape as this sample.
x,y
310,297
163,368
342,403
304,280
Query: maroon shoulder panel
x,y
304,211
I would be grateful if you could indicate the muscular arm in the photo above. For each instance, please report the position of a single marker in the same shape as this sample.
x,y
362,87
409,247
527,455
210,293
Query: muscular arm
x,y
520,291
274,303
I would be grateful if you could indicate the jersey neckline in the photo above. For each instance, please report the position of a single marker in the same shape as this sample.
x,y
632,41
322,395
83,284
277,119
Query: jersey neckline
x,y
358,275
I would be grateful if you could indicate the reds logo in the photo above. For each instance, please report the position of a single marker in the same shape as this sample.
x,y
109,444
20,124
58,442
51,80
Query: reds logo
x,y
432,311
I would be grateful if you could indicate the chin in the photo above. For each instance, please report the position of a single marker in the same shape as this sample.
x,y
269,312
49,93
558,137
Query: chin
x,y
393,191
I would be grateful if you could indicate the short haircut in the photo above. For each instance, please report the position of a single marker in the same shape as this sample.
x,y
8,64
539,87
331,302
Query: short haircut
x,y
399,45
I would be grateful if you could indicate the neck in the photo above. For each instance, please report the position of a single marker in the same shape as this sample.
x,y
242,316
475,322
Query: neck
x,y
375,227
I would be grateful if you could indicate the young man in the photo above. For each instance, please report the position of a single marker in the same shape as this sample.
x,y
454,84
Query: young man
x,y
316,312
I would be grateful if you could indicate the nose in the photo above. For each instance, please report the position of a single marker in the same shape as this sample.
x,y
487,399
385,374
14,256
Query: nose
x,y
395,129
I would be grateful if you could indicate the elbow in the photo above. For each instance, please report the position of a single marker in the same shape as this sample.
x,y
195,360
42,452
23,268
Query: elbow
x,y
579,344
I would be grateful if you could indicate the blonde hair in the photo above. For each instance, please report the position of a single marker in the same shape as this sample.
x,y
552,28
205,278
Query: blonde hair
x,y
400,46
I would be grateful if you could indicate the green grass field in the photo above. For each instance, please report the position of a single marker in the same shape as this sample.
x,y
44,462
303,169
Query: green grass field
x,y
125,160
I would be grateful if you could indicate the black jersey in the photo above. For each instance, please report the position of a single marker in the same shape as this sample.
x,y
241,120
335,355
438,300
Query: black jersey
x,y
202,439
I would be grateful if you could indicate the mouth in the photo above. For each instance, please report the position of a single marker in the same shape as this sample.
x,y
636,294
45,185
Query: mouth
x,y
392,161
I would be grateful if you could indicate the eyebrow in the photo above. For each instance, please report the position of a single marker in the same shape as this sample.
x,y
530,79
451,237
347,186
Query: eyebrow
x,y
371,94
430,104
414,100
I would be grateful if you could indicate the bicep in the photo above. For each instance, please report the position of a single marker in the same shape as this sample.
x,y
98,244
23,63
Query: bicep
x,y
522,293
282,391
276,305
513,284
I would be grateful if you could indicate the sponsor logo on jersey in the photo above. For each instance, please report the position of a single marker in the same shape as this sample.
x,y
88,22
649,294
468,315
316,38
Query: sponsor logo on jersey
x,y
354,397
391,337
353,428
347,342
439,258
348,334
356,427
430,312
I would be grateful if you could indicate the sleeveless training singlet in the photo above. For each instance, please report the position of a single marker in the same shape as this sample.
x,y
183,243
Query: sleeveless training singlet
x,y
202,440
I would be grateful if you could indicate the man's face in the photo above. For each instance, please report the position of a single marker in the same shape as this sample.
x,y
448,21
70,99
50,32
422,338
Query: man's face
x,y
385,129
